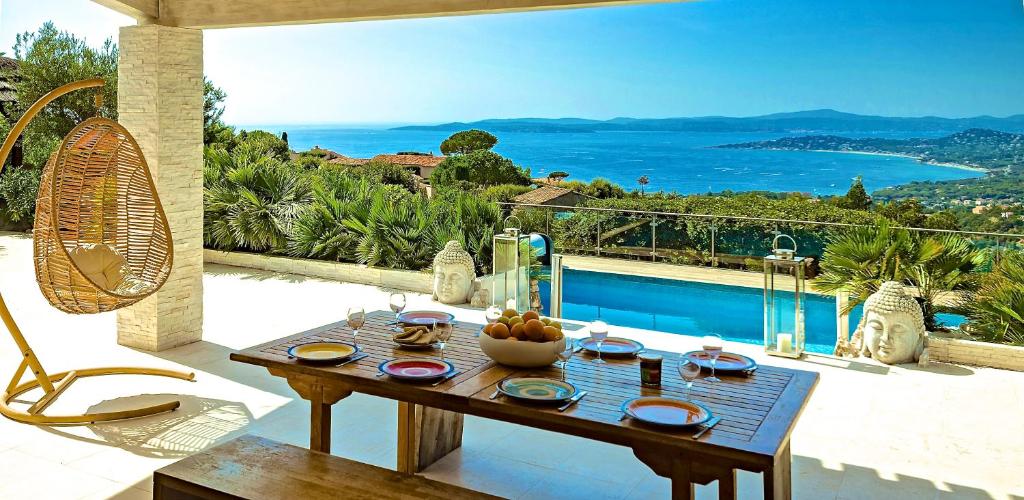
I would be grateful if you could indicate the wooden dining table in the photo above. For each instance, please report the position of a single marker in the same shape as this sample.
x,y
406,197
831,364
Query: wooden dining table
x,y
758,410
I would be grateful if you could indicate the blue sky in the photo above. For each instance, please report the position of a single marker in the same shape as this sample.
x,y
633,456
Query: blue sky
x,y
728,57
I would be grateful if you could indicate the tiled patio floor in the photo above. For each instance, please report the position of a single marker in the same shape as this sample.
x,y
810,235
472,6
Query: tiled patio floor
x,y
869,432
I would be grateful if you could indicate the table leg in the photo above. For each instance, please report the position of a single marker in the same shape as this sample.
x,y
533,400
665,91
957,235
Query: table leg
x,y
320,426
321,395
425,435
727,485
778,479
682,480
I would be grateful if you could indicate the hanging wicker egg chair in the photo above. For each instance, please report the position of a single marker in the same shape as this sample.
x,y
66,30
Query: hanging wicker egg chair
x,y
101,242
101,237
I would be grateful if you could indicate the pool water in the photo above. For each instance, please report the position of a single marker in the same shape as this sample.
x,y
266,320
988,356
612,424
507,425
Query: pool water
x,y
736,313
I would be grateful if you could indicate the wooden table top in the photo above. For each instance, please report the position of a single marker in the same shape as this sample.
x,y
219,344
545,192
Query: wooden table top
x,y
758,411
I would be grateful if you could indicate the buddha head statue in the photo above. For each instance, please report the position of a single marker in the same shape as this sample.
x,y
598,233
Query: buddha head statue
x,y
454,274
892,327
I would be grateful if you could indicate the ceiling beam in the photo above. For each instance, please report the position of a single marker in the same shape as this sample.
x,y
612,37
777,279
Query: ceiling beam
x,y
234,13
142,10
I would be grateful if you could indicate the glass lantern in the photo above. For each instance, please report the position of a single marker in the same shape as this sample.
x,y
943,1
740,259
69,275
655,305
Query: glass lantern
x,y
511,263
785,285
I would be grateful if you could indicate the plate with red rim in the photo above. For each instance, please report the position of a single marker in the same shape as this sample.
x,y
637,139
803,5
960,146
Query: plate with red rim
x,y
727,361
322,352
666,412
612,346
425,318
416,368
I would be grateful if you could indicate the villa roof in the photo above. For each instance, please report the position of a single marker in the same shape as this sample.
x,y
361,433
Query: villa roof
x,y
7,90
346,160
542,195
412,160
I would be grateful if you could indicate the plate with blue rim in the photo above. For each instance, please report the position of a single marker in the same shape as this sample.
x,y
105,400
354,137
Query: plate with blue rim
x,y
537,389
323,352
666,412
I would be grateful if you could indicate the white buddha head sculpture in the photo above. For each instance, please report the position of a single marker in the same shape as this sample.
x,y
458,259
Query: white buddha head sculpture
x,y
892,327
454,274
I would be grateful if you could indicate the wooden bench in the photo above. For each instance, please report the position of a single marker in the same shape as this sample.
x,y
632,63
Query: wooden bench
x,y
252,467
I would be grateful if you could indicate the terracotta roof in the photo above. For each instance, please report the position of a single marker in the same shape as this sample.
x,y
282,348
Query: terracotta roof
x,y
412,160
345,160
542,194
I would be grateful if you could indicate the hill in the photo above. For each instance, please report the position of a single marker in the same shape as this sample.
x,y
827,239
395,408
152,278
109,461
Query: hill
x,y
820,120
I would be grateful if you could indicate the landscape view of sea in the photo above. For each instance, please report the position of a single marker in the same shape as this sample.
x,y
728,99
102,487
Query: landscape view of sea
x,y
675,161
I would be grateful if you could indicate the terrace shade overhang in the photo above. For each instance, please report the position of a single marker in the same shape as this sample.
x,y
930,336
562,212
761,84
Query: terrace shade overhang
x,y
207,14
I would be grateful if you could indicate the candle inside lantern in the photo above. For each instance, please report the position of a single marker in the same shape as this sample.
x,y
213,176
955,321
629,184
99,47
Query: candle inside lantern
x,y
785,342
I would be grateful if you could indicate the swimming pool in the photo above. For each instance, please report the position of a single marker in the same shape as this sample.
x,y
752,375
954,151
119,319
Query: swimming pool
x,y
734,312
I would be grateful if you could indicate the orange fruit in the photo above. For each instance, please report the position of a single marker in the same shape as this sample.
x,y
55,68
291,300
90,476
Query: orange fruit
x,y
535,330
528,315
488,327
500,331
510,313
516,320
518,331
551,333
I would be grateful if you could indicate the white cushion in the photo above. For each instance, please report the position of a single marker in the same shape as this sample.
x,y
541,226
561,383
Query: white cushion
x,y
101,264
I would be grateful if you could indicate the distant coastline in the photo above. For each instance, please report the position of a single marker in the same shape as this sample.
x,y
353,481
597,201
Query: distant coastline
x,y
897,155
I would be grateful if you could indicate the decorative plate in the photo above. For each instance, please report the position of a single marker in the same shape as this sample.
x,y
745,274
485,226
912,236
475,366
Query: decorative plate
x,y
537,389
416,368
666,412
727,361
322,352
425,318
612,346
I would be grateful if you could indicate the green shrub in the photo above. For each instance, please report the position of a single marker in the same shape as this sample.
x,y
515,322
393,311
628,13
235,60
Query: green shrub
x,y
18,189
996,313
480,168
505,193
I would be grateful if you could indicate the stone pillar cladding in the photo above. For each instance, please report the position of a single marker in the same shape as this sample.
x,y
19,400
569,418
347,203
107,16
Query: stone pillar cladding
x,y
160,102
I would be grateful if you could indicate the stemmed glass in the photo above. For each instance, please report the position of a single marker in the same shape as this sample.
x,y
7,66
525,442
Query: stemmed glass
x,y
355,317
565,353
599,332
492,314
689,371
712,345
397,306
442,332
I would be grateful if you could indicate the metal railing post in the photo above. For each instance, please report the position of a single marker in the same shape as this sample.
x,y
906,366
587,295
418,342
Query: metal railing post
x,y
654,239
599,236
714,235
555,307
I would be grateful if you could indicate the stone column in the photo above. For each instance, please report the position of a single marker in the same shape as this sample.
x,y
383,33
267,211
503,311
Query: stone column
x,y
160,102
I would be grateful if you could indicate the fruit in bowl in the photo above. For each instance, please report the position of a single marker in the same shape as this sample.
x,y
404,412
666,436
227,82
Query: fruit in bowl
x,y
524,340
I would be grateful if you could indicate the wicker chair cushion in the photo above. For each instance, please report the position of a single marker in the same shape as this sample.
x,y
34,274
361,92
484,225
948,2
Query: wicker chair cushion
x,y
101,264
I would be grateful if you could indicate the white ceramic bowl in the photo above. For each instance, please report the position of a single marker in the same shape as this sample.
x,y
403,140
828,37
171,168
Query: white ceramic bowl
x,y
523,354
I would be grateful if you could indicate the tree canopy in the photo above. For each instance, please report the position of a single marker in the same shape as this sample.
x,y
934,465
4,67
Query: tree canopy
x,y
478,169
468,141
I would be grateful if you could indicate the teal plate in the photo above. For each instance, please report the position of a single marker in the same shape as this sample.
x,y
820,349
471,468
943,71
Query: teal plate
x,y
537,389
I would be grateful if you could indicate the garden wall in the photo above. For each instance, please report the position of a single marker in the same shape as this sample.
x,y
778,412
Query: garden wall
x,y
969,352
350,273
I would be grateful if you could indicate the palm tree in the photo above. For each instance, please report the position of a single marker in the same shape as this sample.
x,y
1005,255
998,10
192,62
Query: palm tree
x,y
858,261
997,312
643,180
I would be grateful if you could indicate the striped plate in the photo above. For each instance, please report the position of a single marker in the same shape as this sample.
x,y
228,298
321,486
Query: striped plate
x,y
727,361
666,411
537,389
416,368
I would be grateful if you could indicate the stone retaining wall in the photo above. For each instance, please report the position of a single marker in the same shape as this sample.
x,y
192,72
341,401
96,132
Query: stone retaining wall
x,y
350,273
969,352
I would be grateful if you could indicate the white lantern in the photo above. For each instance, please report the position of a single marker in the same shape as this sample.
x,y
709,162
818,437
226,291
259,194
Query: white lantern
x,y
785,286
511,268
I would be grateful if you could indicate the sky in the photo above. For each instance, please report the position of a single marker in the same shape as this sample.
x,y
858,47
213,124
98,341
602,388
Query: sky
x,y
949,58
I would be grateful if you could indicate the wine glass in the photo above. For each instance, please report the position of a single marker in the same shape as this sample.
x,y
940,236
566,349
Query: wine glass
x,y
564,353
689,371
397,306
442,332
355,317
712,345
492,314
599,332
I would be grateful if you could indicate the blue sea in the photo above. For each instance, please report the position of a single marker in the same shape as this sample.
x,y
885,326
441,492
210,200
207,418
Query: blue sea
x,y
679,162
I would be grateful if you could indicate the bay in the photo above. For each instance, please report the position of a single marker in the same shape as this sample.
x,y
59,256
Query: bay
x,y
681,162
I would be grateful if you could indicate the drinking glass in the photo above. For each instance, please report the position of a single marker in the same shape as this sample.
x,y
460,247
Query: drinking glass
x,y
397,306
565,353
712,345
492,314
442,332
599,332
355,317
689,371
